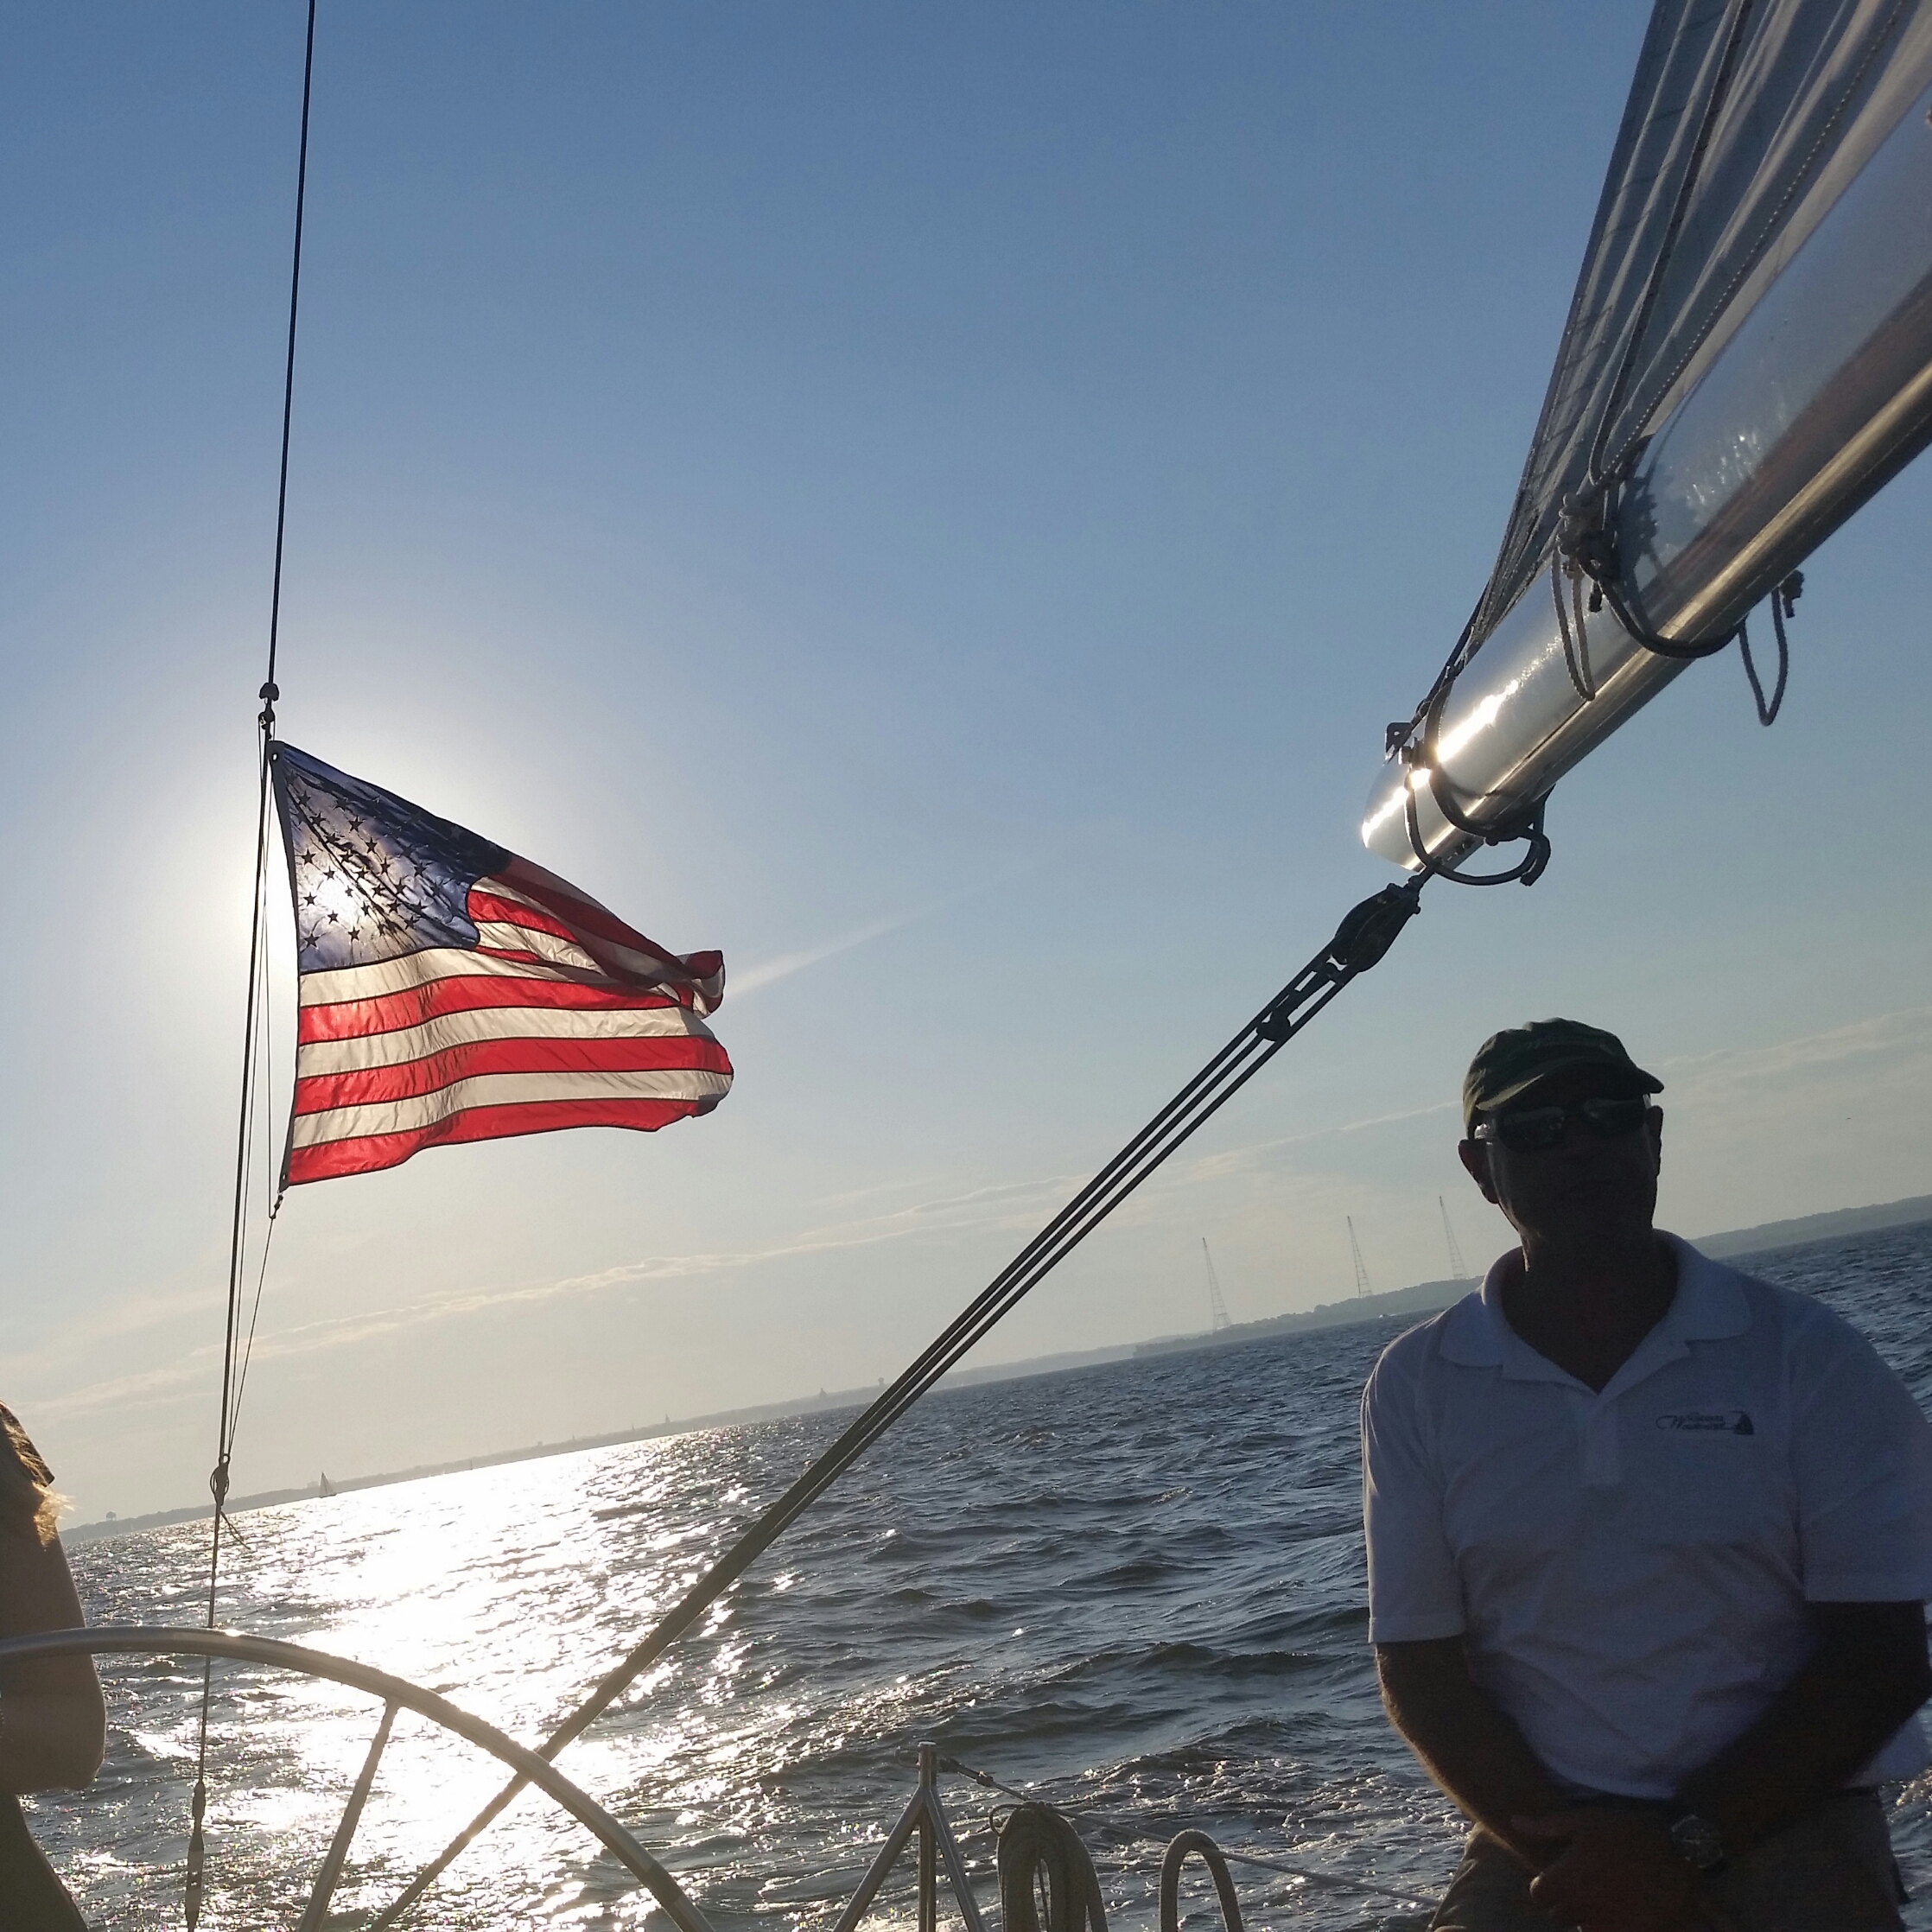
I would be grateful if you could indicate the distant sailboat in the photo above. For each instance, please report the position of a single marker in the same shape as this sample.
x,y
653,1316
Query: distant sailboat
x,y
323,1486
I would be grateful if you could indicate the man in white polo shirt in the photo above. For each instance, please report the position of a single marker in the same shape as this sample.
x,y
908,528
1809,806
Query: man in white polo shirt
x,y
1649,1546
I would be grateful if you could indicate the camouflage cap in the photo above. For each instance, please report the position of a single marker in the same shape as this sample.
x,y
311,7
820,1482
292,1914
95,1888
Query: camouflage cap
x,y
1509,1063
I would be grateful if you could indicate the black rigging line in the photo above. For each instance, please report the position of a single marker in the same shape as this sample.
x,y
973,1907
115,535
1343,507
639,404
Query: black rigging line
x,y
1360,941
268,692
266,1034
232,1377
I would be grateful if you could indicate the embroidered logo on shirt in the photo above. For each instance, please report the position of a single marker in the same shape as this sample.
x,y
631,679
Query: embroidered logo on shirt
x,y
1723,1422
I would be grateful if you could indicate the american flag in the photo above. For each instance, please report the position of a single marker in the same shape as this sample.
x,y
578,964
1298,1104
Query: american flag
x,y
451,991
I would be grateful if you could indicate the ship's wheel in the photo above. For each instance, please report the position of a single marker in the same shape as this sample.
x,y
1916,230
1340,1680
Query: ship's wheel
x,y
394,1694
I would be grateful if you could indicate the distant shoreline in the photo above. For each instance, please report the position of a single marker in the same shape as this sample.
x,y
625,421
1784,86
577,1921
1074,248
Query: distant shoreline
x,y
1422,1298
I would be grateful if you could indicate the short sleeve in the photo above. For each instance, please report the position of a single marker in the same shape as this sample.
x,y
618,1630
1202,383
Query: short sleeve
x,y
1414,1593
1861,1455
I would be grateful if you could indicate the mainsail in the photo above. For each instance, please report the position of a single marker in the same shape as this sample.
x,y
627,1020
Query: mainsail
x,y
1748,357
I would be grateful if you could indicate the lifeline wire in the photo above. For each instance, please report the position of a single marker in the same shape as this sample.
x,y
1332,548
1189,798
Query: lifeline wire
x,y
258,968
1360,941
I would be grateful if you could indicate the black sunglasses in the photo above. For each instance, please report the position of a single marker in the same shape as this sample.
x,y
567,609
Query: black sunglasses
x,y
1531,1129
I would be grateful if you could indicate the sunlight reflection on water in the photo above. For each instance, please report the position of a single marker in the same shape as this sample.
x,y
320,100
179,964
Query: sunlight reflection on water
x,y
1142,1583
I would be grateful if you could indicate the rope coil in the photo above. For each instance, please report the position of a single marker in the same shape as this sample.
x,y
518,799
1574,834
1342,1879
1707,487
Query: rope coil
x,y
1185,1845
1131,1834
1041,1859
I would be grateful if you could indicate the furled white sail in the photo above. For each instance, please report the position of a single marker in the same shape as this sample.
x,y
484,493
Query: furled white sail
x,y
1748,358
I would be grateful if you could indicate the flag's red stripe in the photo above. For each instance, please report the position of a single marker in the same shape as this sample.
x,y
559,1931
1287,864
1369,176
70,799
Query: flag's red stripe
x,y
466,993
582,914
369,1152
487,906
319,1093
590,922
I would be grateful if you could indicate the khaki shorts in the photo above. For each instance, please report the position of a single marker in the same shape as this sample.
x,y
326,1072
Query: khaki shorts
x,y
1830,1872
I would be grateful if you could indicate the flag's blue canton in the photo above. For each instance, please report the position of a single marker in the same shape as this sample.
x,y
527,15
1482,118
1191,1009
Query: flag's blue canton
x,y
374,877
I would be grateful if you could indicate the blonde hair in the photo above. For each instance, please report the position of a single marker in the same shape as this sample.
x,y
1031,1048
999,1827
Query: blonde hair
x,y
28,1504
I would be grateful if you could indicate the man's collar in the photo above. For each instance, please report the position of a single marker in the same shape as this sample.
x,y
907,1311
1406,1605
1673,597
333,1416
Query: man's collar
x,y
1476,1334
1709,1304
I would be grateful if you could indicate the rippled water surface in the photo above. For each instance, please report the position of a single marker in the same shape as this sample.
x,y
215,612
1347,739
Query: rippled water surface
x,y
1139,1587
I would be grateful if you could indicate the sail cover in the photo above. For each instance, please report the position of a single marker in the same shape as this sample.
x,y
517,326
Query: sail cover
x,y
1746,120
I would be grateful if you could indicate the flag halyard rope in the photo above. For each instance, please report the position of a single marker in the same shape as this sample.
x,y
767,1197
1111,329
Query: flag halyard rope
x,y
236,1350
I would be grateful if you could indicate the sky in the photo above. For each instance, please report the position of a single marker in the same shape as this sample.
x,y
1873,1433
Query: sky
x,y
938,502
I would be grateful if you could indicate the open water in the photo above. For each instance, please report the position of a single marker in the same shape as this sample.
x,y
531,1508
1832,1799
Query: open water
x,y
1136,1588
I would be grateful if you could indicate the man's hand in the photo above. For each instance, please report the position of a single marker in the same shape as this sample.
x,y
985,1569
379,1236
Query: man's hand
x,y
1867,1675
1615,1872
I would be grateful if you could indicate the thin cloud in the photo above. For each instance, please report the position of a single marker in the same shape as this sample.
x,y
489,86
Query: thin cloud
x,y
1907,1031
1260,1153
1696,1078
1012,1207
980,1210
766,972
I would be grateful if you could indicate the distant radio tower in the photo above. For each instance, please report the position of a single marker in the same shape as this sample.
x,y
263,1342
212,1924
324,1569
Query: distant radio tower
x,y
1217,1308
1458,1272
1355,1249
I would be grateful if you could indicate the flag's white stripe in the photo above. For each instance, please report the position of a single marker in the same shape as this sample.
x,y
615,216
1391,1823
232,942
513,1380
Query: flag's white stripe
x,y
646,965
643,965
504,1090
546,945
461,1029
560,886
498,888
341,983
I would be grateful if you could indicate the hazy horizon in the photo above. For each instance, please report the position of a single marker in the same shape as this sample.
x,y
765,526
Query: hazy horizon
x,y
852,1395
